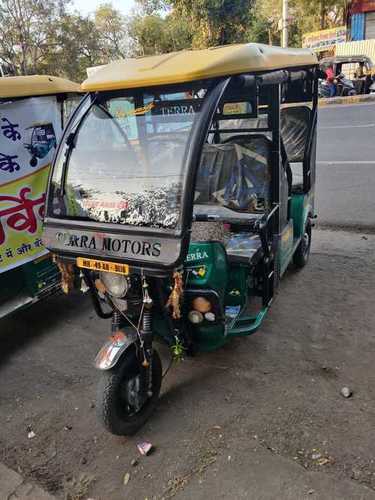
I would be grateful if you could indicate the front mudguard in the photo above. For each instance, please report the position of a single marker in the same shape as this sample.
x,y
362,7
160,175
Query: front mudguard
x,y
114,348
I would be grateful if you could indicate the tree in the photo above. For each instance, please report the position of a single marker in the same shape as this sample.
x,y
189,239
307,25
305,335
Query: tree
x,y
148,35
266,19
153,34
42,37
150,7
216,22
77,47
27,29
179,32
261,30
111,27
306,15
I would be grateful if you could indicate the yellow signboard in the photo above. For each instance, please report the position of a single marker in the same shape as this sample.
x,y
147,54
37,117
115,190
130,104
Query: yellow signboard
x,y
324,39
21,214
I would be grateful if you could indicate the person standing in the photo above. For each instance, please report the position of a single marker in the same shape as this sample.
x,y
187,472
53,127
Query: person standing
x,y
330,79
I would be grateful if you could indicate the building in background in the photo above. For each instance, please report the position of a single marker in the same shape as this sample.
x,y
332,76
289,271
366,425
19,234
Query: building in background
x,y
357,38
361,20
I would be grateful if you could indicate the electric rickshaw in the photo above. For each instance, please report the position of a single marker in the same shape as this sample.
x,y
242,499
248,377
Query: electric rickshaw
x,y
33,112
41,140
182,189
359,72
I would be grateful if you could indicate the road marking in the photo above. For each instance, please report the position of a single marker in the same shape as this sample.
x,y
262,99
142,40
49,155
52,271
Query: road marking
x,y
346,105
346,162
346,126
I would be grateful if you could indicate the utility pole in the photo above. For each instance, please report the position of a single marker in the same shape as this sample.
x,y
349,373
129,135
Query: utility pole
x,y
284,32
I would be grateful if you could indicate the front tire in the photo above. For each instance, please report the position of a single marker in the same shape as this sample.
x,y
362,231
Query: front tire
x,y
302,254
114,408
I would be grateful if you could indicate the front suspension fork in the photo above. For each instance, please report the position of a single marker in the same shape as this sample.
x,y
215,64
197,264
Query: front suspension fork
x,y
146,338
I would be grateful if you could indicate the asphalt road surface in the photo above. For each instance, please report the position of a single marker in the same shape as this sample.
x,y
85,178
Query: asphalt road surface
x,y
345,194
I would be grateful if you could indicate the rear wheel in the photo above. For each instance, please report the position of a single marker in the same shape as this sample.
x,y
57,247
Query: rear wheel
x,y
301,255
121,405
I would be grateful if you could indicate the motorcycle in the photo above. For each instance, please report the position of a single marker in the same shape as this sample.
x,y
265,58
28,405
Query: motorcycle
x,y
344,87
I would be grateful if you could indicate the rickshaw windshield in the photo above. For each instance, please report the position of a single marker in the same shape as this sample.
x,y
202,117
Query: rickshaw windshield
x,y
127,165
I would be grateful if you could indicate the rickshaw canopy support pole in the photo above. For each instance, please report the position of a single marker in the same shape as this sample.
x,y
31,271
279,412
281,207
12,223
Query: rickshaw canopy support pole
x,y
274,125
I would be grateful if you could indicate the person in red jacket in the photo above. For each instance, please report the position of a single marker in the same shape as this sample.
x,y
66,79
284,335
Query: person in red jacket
x,y
330,78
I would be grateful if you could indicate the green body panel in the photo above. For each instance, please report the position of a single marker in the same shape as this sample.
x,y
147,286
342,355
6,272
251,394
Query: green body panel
x,y
206,264
236,293
207,268
40,274
33,279
247,325
301,206
286,247
11,283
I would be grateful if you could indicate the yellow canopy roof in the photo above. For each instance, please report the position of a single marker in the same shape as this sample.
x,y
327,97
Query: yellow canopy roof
x,y
190,65
28,86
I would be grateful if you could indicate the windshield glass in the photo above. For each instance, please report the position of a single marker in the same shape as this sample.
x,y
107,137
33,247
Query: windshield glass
x,y
127,164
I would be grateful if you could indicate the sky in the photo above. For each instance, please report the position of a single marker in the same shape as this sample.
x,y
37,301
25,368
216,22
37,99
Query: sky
x,y
89,6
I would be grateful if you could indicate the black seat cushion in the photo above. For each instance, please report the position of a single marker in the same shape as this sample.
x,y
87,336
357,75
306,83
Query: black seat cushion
x,y
243,248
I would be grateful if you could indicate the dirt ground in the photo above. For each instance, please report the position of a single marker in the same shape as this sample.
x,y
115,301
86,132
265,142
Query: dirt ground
x,y
262,418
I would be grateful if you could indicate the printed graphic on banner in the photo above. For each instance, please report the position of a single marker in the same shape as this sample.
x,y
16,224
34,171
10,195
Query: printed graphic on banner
x,y
28,137
21,214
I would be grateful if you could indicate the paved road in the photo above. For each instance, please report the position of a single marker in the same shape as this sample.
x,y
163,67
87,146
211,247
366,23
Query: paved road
x,y
346,166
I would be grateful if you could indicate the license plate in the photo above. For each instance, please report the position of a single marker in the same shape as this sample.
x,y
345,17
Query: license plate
x,y
101,265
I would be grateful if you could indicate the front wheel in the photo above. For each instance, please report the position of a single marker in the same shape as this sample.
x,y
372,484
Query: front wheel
x,y
33,162
121,406
301,255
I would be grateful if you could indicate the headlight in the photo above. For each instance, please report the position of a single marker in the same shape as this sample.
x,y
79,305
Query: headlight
x,y
116,284
195,317
210,316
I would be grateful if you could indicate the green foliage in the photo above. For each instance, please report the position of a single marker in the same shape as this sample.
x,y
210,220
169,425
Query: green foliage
x,y
152,6
42,36
148,34
154,34
216,22
27,32
306,16
77,47
260,30
112,32
177,350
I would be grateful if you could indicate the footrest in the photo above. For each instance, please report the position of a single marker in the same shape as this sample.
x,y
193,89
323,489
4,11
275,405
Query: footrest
x,y
18,302
246,325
